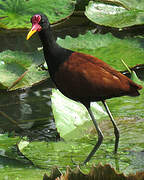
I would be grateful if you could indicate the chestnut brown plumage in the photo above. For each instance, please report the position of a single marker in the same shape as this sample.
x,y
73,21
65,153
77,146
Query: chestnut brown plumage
x,y
82,77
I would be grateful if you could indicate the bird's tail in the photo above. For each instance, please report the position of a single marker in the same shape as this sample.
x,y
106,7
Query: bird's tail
x,y
134,89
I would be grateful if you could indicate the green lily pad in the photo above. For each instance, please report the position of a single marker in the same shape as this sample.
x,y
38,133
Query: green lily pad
x,y
135,78
6,143
108,48
19,12
63,153
114,15
14,64
133,74
71,117
131,4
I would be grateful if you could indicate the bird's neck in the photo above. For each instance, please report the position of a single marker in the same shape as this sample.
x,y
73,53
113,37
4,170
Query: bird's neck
x,y
48,40
54,54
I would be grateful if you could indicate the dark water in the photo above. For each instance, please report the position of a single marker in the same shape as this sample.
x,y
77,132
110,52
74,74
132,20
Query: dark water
x,y
31,111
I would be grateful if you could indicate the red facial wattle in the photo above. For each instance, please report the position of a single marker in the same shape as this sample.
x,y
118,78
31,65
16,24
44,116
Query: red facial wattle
x,y
35,22
35,25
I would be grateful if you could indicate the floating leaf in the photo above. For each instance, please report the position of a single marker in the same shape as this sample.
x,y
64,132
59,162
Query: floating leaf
x,y
19,12
131,4
71,117
132,73
14,64
135,78
22,144
110,14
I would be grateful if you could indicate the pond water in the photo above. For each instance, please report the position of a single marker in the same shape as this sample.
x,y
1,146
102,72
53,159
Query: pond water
x,y
31,111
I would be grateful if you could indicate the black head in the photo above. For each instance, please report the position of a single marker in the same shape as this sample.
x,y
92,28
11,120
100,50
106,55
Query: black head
x,y
39,22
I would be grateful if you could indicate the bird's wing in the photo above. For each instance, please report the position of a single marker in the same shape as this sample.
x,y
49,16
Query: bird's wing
x,y
84,75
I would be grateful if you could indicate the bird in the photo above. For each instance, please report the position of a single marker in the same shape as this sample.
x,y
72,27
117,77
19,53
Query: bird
x,y
82,77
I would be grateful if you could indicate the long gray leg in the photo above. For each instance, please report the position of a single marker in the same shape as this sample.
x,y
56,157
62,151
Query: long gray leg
x,y
100,135
116,130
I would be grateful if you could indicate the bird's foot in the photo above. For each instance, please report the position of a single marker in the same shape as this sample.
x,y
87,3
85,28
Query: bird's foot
x,y
77,164
42,67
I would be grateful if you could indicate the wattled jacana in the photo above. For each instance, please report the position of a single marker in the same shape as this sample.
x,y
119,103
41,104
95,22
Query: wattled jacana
x,y
82,77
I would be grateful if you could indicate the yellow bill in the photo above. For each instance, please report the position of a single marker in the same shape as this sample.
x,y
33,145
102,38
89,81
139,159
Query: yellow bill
x,y
31,32
35,27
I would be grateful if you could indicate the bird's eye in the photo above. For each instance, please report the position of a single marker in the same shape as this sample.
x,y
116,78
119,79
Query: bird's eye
x,y
42,20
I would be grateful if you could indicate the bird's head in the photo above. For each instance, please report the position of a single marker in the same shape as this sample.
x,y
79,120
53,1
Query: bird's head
x,y
39,22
